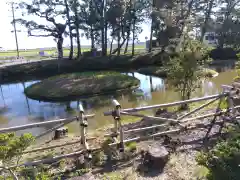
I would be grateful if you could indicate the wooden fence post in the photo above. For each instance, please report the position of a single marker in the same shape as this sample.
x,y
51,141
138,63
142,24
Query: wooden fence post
x,y
118,124
83,126
230,101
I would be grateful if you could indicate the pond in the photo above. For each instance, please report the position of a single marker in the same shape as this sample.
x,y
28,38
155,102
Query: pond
x,y
17,109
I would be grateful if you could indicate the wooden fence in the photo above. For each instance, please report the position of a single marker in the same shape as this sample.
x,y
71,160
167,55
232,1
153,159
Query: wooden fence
x,y
180,124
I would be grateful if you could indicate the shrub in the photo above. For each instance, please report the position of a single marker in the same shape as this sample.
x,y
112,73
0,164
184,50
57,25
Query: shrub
x,y
183,72
223,159
132,146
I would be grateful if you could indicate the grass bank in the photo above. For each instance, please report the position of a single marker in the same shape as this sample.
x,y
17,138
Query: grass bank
x,y
160,71
75,85
47,68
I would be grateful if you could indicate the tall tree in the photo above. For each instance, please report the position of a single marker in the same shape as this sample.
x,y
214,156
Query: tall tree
x,y
74,6
70,29
48,10
89,20
226,14
208,11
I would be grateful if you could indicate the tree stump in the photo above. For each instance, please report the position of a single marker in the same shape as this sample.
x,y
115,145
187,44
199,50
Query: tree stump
x,y
87,176
156,157
61,132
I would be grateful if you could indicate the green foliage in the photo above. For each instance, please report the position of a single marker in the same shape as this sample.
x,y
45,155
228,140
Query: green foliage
x,y
12,146
28,172
132,146
81,172
35,173
223,160
238,56
237,78
224,104
98,158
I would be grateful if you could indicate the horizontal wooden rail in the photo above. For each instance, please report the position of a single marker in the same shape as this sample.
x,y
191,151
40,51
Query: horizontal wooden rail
x,y
197,109
145,128
169,104
173,131
149,117
139,138
137,129
55,146
40,124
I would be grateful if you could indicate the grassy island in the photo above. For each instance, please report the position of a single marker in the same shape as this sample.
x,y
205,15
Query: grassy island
x,y
75,85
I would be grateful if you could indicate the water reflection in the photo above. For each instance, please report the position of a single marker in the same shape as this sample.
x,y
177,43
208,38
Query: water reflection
x,y
22,110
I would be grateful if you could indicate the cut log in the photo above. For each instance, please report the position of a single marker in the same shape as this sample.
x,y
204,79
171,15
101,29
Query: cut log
x,y
60,133
156,157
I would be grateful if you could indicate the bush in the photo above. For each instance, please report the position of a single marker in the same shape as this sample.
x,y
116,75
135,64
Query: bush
x,y
223,160
223,54
132,146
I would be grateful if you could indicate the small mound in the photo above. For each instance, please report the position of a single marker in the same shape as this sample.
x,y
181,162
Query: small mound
x,y
68,87
209,73
157,71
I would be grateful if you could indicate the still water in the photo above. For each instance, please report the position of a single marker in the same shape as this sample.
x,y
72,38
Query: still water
x,y
17,109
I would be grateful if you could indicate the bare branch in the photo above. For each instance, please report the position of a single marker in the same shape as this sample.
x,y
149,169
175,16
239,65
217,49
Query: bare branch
x,y
42,35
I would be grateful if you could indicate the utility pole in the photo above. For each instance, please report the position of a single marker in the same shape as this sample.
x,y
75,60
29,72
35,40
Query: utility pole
x,y
15,30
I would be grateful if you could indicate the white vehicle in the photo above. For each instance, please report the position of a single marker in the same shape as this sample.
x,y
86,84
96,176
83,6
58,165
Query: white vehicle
x,y
210,39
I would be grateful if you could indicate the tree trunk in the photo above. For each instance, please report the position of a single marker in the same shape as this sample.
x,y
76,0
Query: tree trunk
x,y
70,30
60,47
182,33
208,14
116,50
222,37
128,37
151,36
133,41
106,28
79,53
151,32
92,39
102,28
119,38
111,46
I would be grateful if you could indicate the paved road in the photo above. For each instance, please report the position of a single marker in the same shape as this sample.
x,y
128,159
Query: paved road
x,y
17,61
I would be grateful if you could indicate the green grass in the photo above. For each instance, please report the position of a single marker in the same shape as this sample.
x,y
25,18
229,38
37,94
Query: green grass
x,y
35,52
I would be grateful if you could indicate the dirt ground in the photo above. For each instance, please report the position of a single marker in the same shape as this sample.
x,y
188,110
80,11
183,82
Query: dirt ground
x,y
183,148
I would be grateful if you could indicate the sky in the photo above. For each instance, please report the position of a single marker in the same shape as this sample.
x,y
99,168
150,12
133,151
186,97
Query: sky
x,y
7,38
